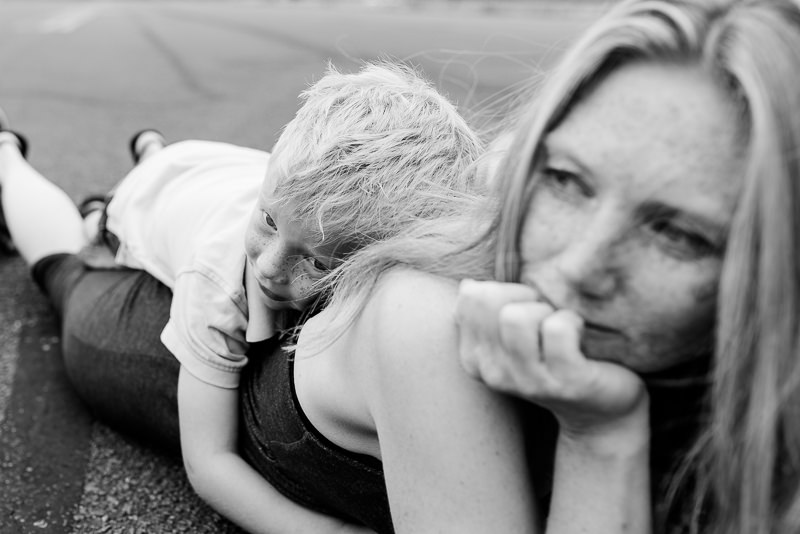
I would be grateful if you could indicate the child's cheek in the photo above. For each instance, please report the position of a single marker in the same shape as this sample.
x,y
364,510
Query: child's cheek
x,y
302,284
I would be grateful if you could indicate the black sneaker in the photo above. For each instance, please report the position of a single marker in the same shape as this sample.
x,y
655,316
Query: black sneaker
x,y
142,139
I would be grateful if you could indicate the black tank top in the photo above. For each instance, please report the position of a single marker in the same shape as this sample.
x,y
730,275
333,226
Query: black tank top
x,y
277,439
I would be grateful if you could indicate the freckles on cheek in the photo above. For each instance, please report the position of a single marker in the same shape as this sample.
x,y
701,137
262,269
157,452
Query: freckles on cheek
x,y
253,241
301,283
548,225
540,240
250,245
706,293
693,323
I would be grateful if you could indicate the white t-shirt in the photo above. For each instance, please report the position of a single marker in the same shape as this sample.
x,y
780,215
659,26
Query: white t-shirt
x,y
181,215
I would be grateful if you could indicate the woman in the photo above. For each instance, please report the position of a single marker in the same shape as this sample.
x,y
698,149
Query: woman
x,y
578,266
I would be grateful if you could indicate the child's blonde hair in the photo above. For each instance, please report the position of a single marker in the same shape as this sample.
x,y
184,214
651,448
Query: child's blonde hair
x,y
369,153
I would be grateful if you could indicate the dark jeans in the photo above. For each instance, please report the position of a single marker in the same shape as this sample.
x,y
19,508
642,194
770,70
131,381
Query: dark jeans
x,y
111,321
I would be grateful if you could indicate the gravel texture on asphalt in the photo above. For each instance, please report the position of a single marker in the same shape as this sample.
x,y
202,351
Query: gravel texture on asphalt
x,y
130,489
62,472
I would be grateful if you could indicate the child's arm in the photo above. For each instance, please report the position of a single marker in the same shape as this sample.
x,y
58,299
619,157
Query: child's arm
x,y
524,347
452,450
208,426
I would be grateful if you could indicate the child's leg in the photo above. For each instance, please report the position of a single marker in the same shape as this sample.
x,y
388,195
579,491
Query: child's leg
x,y
114,357
111,321
145,143
41,218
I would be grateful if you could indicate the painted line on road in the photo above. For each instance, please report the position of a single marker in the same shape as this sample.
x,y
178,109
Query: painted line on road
x,y
9,342
45,436
10,328
68,21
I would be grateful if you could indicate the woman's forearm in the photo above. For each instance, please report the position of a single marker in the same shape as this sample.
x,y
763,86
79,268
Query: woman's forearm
x,y
602,481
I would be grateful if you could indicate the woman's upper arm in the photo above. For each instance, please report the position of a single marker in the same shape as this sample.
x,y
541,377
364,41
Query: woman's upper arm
x,y
452,451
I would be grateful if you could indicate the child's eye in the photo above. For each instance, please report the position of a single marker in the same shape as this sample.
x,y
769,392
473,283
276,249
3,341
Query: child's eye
x,y
313,266
268,219
318,265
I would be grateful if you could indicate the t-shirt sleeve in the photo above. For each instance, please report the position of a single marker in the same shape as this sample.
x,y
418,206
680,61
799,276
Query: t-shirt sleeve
x,y
206,329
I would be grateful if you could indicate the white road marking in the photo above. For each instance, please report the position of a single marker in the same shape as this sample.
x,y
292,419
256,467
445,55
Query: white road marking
x,y
9,343
68,20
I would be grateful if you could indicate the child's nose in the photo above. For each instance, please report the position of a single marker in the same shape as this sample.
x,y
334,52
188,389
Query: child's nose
x,y
273,265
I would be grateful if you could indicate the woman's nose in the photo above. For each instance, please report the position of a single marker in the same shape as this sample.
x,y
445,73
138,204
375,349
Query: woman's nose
x,y
589,268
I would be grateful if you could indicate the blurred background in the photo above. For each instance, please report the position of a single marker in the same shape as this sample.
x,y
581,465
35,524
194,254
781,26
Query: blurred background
x,y
79,77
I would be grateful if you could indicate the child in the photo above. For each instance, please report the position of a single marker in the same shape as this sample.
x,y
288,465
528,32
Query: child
x,y
365,155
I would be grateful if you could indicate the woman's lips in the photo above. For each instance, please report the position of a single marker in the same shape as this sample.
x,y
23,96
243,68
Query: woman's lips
x,y
588,325
597,340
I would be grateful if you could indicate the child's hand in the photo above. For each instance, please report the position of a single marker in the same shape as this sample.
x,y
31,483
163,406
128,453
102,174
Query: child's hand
x,y
524,347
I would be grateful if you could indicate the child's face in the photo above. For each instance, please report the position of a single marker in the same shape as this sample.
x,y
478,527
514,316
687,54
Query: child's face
x,y
286,260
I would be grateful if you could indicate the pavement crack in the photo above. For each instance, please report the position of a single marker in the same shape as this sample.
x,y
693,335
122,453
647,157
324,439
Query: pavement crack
x,y
260,32
178,64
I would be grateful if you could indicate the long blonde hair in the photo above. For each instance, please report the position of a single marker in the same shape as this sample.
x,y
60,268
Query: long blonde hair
x,y
745,467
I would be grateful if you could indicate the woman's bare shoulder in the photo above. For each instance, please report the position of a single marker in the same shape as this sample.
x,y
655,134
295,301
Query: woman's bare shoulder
x,y
410,295
409,319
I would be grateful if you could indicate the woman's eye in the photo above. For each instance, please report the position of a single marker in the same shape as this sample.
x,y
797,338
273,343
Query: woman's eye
x,y
682,242
269,221
565,182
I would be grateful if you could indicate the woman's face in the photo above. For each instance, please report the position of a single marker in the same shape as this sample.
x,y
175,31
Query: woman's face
x,y
628,222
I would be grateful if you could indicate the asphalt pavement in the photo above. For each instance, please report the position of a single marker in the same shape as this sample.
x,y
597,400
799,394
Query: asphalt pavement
x,y
78,78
